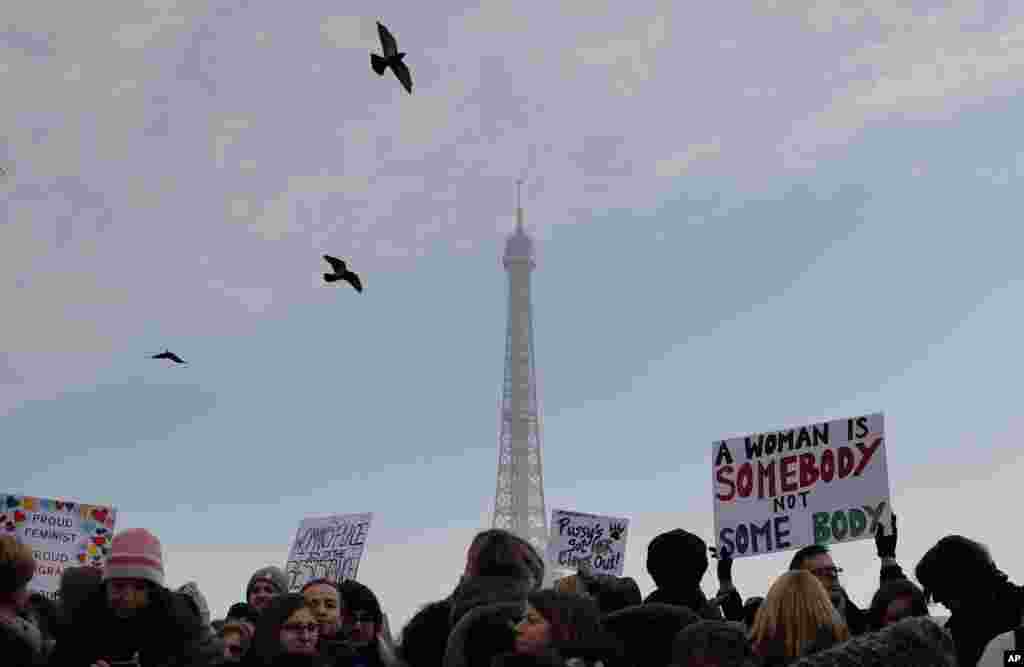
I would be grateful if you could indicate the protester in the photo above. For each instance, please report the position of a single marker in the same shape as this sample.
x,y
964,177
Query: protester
x,y
817,559
961,575
500,567
264,585
712,643
235,638
21,642
286,635
324,598
797,618
132,617
553,618
677,561
483,634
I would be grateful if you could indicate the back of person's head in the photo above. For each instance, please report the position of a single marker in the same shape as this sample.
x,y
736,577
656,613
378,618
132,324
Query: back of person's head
x,y
611,593
500,553
266,643
647,631
797,617
705,643
913,642
196,602
571,617
17,567
482,634
235,629
677,559
957,566
806,553
894,601
750,607
76,585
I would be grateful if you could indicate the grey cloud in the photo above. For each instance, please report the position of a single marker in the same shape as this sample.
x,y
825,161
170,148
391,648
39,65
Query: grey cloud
x,y
32,44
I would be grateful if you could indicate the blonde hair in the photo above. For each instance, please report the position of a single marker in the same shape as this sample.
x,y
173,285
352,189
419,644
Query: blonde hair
x,y
795,613
17,565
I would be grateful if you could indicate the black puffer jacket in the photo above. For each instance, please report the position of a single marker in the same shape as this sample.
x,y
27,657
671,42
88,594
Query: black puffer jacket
x,y
166,634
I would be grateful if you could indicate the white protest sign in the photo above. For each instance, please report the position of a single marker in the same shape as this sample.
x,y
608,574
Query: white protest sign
x,y
599,541
327,547
818,484
60,533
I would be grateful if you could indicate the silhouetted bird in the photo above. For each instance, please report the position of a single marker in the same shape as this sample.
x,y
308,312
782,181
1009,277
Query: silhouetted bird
x,y
392,58
341,272
167,354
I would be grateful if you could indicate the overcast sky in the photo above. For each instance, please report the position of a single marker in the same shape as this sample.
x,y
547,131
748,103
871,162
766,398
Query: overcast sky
x,y
749,215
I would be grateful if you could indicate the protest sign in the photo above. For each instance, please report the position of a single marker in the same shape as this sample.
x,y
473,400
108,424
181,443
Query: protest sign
x,y
818,484
60,533
589,540
327,548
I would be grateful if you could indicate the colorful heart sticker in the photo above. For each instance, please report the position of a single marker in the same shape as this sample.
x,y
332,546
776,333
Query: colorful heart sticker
x,y
31,504
19,516
100,515
81,558
12,502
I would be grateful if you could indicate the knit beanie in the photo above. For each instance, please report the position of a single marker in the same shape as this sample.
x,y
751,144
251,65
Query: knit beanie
x,y
192,592
275,575
135,554
912,642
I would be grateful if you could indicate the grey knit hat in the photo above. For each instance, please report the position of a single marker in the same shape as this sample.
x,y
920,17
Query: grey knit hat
x,y
275,575
191,590
912,642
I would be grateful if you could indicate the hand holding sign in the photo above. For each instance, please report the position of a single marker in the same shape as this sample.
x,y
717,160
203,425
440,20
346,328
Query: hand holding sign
x,y
886,544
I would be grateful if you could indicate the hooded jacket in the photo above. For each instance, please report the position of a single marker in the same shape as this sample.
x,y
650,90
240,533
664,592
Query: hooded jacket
x,y
974,629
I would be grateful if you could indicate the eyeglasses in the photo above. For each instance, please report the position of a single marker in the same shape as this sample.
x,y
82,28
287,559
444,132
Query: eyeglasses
x,y
827,572
311,628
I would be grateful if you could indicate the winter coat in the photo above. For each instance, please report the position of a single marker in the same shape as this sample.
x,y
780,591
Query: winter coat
x,y
166,633
912,642
974,629
21,643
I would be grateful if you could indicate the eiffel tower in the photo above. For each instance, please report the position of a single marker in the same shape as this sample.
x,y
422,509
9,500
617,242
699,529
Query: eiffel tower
x,y
519,499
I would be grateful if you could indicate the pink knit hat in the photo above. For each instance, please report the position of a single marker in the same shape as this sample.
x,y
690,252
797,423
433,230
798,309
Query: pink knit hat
x,y
135,554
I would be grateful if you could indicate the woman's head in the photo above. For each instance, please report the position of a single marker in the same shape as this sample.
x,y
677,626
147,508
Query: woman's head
x,y
17,567
796,615
286,626
236,637
499,553
324,598
896,600
362,618
554,617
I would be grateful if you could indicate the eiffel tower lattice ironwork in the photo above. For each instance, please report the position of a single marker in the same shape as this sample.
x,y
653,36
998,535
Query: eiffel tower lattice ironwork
x,y
519,498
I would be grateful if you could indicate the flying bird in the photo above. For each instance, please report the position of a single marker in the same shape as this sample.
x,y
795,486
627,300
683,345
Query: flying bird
x,y
167,354
341,272
392,58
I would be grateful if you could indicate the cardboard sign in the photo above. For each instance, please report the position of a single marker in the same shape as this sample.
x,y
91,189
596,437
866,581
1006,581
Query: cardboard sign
x,y
818,484
327,548
589,541
61,534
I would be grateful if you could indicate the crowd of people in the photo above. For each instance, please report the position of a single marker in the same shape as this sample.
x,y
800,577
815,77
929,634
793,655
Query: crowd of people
x,y
501,615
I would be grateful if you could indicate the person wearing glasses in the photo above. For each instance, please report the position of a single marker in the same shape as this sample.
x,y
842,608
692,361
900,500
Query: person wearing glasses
x,y
286,634
817,559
